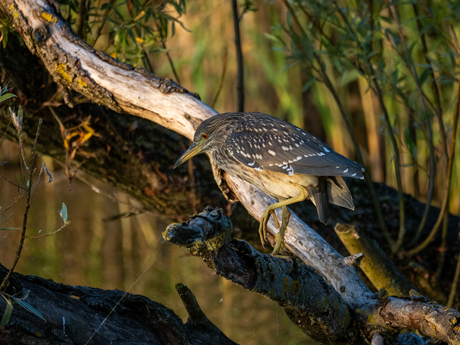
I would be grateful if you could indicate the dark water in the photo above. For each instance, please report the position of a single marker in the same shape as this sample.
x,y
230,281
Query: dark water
x,y
112,255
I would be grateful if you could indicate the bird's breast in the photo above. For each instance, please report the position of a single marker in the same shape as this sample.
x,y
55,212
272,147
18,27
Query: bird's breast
x,y
275,184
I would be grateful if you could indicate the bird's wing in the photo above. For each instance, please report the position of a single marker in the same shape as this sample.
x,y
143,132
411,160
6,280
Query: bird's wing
x,y
289,150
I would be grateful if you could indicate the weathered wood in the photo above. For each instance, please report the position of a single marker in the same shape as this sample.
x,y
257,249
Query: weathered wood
x,y
312,305
74,314
378,267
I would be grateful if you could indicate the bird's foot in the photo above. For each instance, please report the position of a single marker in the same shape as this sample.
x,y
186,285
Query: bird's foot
x,y
263,224
276,250
284,257
279,241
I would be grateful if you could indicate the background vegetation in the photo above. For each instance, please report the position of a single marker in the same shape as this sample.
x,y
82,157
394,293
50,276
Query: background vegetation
x,y
376,80
408,50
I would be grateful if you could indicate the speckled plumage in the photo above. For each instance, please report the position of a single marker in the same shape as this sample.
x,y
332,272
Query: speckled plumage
x,y
278,158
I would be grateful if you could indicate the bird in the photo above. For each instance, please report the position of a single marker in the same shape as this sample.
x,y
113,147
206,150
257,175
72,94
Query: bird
x,y
282,160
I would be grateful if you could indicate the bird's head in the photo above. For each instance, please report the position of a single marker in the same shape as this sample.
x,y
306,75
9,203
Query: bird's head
x,y
210,135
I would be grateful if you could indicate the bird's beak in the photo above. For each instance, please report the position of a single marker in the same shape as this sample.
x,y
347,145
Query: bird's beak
x,y
193,150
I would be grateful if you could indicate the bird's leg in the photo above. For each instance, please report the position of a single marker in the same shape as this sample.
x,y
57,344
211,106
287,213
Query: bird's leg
x,y
263,226
284,222
270,210
275,219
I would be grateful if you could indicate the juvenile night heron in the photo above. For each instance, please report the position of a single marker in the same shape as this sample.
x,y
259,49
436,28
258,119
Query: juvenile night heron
x,y
280,159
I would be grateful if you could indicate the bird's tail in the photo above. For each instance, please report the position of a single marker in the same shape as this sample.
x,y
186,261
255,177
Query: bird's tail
x,y
321,200
331,189
338,192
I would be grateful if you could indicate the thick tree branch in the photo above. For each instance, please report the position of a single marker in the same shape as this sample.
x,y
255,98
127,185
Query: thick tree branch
x,y
378,267
312,304
430,319
298,288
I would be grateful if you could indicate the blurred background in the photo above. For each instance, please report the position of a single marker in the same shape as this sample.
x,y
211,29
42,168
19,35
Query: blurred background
x,y
373,79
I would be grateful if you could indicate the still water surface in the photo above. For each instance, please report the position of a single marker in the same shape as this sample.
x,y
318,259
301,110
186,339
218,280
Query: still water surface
x,y
112,255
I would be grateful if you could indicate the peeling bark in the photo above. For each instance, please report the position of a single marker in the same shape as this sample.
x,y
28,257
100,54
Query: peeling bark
x,y
431,319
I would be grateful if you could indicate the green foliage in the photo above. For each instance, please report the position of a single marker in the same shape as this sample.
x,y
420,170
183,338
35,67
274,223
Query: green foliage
x,y
21,301
63,213
4,96
4,31
8,310
347,38
406,53
126,30
408,50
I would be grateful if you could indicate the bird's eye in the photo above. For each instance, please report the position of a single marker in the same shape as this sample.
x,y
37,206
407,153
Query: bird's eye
x,y
204,136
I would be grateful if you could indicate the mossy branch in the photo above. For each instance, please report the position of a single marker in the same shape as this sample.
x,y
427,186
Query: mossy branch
x,y
376,265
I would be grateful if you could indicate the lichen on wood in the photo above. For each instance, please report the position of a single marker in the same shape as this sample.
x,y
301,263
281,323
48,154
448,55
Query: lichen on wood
x,y
376,265
308,300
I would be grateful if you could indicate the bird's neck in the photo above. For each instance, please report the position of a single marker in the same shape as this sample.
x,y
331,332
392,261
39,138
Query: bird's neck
x,y
221,156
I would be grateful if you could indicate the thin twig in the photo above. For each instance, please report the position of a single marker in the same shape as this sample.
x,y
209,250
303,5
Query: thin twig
x,y
445,201
171,63
104,19
432,174
11,182
425,212
26,211
122,297
442,248
147,60
34,150
434,84
51,233
11,205
453,289
222,76
314,22
389,128
439,114
81,19
6,130
413,137
371,16
21,244
38,181
247,7
239,57
360,159
397,160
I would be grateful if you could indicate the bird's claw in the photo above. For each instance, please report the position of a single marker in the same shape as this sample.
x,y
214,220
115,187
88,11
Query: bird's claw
x,y
263,224
284,257
277,224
